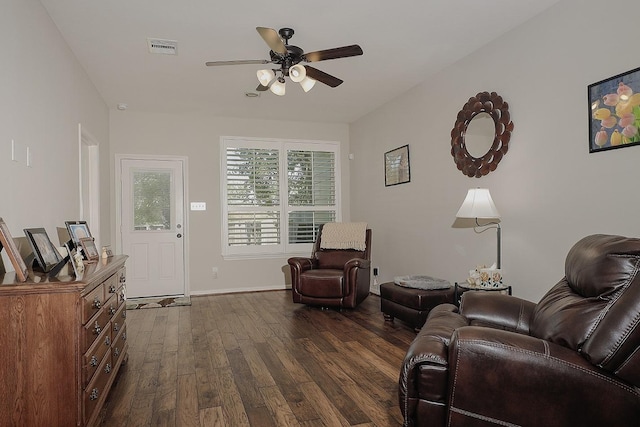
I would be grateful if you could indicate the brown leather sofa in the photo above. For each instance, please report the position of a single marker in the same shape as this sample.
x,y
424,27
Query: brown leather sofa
x,y
573,359
332,277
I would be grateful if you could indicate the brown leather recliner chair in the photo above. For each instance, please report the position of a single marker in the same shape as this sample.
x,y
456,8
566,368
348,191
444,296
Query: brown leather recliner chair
x,y
332,277
573,359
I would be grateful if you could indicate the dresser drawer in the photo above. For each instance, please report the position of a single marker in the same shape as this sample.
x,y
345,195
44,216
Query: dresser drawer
x,y
111,306
117,322
92,303
119,347
111,285
96,390
92,358
93,329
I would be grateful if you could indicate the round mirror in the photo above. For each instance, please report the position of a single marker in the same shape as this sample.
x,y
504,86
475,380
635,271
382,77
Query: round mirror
x,y
481,134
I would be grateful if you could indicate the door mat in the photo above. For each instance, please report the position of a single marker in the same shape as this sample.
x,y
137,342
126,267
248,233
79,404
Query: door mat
x,y
157,302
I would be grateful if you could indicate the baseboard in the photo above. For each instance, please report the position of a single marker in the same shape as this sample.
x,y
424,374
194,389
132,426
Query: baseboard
x,y
238,290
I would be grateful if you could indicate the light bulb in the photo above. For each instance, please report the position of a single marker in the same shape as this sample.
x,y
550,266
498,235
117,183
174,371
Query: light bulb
x,y
297,73
307,83
278,87
265,76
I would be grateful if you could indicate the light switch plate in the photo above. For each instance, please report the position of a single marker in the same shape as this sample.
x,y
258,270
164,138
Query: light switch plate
x,y
198,206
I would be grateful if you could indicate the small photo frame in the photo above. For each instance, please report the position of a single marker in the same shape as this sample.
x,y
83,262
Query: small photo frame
x,y
13,253
396,166
614,112
89,248
44,252
75,260
77,230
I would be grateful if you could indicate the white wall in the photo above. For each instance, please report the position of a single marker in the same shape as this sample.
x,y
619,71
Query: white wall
x,y
197,136
549,190
44,95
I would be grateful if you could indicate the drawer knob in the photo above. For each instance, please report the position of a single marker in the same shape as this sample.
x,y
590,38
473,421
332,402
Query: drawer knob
x,y
94,361
94,394
97,303
107,341
107,368
112,310
116,352
97,329
116,328
124,336
112,289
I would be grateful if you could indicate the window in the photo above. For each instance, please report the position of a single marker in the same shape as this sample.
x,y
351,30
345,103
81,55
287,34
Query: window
x,y
275,194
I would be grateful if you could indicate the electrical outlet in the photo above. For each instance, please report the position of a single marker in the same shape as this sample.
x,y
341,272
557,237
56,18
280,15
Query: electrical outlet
x,y
375,271
198,206
214,270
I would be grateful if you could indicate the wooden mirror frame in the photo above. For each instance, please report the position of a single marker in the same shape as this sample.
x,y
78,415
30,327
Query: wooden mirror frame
x,y
498,109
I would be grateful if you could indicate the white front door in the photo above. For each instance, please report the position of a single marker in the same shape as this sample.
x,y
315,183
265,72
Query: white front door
x,y
152,226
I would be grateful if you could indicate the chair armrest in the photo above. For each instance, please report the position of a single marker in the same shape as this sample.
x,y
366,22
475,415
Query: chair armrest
x,y
298,266
356,263
497,311
522,380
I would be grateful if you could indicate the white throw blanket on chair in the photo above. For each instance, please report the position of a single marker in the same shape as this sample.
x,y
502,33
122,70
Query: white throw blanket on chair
x,y
344,235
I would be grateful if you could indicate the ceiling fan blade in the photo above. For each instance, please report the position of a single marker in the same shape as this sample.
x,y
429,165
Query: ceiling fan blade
x,y
273,40
335,53
250,61
322,77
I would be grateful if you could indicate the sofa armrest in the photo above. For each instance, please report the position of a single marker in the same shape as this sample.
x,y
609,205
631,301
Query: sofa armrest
x,y
497,311
424,373
517,379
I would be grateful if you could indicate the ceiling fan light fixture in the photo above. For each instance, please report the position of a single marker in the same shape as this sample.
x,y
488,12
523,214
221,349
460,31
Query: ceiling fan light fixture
x,y
307,83
297,73
278,87
265,76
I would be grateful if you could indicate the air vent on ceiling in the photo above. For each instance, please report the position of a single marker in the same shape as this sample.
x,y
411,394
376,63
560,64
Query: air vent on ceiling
x,y
163,47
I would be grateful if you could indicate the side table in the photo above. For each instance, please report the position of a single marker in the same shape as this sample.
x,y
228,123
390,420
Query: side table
x,y
461,288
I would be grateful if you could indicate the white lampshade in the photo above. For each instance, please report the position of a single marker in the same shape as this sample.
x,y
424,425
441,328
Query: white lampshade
x,y
265,76
478,204
297,73
307,83
278,87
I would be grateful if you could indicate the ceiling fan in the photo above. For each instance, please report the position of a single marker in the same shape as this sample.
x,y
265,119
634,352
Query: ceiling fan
x,y
289,58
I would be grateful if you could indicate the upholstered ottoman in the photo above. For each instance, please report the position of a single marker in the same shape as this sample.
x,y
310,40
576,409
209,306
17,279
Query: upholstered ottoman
x,y
411,305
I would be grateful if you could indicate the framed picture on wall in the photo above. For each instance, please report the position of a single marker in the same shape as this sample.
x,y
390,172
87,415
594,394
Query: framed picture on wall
x,y
7,242
614,112
396,166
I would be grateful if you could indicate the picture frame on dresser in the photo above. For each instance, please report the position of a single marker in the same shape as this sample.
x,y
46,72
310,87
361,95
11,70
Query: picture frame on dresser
x,y
75,259
77,230
89,248
7,242
46,255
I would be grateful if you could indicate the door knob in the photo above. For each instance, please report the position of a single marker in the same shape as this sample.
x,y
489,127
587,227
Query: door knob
x,y
179,235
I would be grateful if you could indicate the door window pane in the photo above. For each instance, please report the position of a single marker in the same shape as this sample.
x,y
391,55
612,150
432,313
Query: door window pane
x,y
151,200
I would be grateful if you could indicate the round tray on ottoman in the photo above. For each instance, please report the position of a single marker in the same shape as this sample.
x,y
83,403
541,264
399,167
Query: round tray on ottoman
x,y
412,305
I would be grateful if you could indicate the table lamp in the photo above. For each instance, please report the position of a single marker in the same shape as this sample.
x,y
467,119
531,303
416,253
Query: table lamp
x,y
479,206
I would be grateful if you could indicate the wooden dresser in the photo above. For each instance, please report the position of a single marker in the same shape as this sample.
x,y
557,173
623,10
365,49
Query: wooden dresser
x,y
62,342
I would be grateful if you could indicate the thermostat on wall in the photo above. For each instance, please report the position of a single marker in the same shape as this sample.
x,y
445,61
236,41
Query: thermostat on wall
x,y
198,206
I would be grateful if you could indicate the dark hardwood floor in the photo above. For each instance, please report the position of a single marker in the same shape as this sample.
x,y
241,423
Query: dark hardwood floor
x,y
257,359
